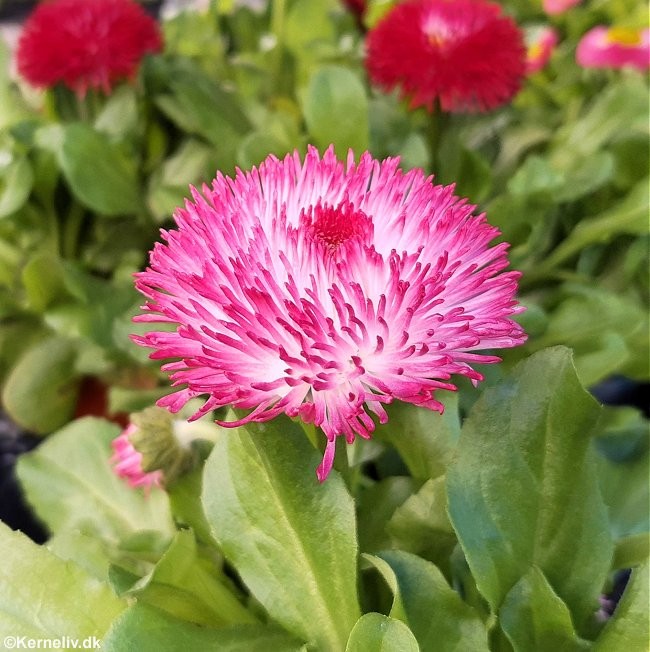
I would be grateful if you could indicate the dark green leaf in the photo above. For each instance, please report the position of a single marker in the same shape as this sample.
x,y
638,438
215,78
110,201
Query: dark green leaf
x,y
435,613
292,541
424,439
535,618
524,491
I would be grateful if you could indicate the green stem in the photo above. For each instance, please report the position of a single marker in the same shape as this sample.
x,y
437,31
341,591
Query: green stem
x,y
71,230
278,16
436,126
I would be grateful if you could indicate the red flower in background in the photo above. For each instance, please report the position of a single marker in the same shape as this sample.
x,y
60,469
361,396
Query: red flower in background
x,y
464,54
85,43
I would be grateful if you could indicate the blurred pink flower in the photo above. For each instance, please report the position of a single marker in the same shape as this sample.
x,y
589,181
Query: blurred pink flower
x,y
127,462
324,290
554,7
614,47
540,49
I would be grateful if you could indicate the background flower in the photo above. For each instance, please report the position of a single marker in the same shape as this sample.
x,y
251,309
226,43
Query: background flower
x,y
541,47
614,47
324,291
85,43
464,54
128,462
554,7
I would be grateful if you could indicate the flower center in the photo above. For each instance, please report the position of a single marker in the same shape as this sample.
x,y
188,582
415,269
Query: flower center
x,y
624,36
333,226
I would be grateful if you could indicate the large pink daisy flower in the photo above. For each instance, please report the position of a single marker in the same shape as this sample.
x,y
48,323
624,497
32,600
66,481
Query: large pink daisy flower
x,y
464,54
85,43
325,290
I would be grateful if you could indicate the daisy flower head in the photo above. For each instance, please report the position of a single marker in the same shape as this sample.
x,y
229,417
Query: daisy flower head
x,y
464,54
85,44
324,290
614,47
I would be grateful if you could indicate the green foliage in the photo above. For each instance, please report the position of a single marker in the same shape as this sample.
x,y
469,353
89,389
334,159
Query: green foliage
x,y
494,526
304,577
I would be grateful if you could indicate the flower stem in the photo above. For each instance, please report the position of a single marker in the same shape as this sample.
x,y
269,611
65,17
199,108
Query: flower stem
x,y
437,124
71,230
278,16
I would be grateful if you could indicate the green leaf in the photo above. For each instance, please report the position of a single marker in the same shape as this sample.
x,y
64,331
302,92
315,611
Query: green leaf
x,y
586,176
42,278
42,596
69,482
146,629
535,618
376,505
374,632
99,173
336,110
627,629
629,216
40,393
523,490
16,180
191,588
292,541
421,525
424,439
435,613
119,115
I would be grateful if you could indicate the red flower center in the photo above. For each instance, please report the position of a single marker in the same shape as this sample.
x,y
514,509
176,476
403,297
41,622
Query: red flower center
x,y
333,226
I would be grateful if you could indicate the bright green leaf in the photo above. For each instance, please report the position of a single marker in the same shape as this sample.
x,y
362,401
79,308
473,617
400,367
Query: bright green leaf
x,y
69,482
435,613
99,173
191,588
146,629
374,632
292,541
16,180
535,618
336,110
524,491
44,597
41,391
627,629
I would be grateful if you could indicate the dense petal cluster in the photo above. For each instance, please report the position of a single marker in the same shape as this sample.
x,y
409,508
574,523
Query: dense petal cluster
x,y
465,54
325,290
540,48
614,47
85,44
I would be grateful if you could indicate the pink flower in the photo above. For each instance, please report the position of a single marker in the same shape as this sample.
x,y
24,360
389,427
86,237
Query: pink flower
x,y
464,54
85,43
540,49
614,47
324,290
128,462
554,7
